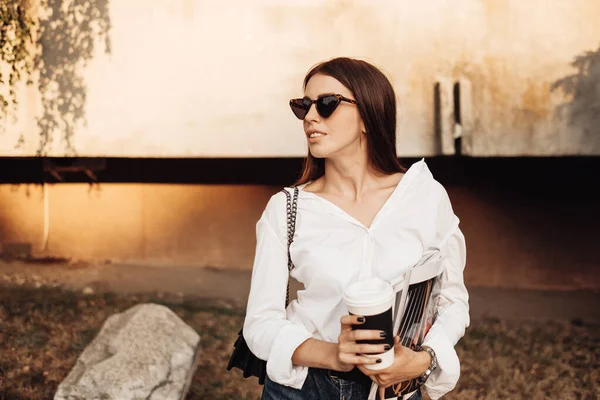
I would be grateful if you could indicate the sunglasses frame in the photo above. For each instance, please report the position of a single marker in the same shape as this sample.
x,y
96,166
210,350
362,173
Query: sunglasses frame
x,y
339,98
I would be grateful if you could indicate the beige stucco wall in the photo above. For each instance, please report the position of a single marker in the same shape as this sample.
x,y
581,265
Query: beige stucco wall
x,y
213,78
512,240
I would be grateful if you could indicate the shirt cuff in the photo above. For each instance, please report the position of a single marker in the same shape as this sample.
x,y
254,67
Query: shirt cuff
x,y
279,365
445,377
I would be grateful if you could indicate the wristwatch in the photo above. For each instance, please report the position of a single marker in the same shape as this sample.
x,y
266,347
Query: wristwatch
x,y
432,365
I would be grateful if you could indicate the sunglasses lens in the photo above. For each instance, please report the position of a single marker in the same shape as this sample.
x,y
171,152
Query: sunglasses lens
x,y
299,108
327,105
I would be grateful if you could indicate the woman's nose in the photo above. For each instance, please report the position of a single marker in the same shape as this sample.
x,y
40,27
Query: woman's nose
x,y
312,114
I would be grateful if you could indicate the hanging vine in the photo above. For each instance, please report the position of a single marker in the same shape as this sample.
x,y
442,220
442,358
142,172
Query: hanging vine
x,y
64,42
16,43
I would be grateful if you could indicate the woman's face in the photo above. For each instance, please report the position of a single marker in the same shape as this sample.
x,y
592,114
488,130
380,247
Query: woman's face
x,y
342,132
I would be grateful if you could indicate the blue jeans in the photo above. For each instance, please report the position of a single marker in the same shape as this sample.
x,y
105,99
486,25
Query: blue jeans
x,y
319,385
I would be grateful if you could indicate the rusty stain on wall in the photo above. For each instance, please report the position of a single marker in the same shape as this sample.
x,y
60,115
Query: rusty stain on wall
x,y
533,110
536,100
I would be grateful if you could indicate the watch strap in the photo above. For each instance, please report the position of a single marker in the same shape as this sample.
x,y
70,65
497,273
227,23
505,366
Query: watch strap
x,y
432,365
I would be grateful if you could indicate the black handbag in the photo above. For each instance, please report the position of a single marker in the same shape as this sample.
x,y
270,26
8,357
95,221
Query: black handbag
x,y
241,357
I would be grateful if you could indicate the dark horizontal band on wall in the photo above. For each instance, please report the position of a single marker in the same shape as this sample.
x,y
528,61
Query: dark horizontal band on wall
x,y
557,172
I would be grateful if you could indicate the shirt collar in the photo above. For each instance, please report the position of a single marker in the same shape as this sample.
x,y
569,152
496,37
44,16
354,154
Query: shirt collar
x,y
415,170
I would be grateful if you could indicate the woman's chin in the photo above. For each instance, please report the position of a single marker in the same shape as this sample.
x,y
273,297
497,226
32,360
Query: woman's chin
x,y
316,152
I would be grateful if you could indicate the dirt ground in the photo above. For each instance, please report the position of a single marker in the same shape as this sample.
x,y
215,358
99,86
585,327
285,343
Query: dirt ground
x,y
43,331
521,343
232,286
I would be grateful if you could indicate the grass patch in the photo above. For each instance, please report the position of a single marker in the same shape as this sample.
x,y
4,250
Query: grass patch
x,y
529,359
43,331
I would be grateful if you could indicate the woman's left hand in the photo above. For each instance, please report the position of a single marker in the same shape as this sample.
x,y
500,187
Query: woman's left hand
x,y
408,364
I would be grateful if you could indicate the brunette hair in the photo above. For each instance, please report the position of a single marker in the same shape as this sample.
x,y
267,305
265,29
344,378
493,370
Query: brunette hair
x,y
377,107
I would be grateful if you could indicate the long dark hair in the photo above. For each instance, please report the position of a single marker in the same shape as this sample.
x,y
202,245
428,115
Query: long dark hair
x,y
377,107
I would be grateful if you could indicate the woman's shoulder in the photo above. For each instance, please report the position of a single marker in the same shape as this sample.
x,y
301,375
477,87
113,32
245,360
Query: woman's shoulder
x,y
275,212
426,189
277,201
438,194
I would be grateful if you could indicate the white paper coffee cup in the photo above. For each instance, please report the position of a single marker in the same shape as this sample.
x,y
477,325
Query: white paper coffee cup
x,y
373,299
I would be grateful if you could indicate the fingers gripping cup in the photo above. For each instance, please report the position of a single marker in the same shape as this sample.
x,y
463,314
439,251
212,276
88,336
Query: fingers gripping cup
x,y
373,298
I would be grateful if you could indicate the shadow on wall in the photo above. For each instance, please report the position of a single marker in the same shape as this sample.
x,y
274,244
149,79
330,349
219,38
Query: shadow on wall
x,y
583,89
67,34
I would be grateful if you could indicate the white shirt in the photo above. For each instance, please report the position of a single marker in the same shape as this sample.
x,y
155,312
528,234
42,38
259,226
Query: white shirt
x,y
331,250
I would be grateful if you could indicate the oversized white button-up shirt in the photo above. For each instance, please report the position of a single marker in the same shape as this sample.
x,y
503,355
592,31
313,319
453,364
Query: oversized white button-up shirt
x,y
331,250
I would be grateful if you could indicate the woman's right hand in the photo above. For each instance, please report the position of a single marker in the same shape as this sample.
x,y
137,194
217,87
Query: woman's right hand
x,y
348,349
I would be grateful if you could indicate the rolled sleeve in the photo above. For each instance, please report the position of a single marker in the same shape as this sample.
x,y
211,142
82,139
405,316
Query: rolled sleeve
x,y
446,375
452,309
279,366
269,335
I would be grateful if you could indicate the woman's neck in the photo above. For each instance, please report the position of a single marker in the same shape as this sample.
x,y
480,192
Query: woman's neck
x,y
350,177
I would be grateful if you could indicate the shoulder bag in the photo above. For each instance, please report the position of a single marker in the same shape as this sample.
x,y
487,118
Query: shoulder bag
x,y
241,357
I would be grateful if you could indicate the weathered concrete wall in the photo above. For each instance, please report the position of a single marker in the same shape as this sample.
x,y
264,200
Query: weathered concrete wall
x,y
519,67
522,229
207,78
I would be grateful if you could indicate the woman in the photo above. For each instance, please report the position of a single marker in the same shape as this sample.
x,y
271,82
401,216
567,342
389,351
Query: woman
x,y
360,214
